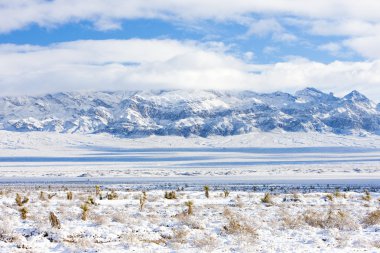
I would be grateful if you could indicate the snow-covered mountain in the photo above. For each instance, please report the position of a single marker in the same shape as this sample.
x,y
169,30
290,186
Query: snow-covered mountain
x,y
196,112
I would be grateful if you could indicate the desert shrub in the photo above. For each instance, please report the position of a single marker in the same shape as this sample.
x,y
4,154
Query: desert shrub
x,y
373,218
267,199
85,209
23,213
332,219
21,201
189,204
42,196
338,194
51,195
237,224
180,236
226,193
330,197
90,200
112,195
207,242
170,195
206,188
55,223
367,196
339,219
97,190
69,195
313,218
290,221
142,200
292,198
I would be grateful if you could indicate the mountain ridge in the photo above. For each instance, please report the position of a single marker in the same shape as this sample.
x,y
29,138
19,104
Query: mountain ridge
x,y
190,112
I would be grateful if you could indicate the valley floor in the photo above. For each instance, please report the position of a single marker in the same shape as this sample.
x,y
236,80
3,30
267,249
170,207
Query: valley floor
x,y
126,220
301,172
263,156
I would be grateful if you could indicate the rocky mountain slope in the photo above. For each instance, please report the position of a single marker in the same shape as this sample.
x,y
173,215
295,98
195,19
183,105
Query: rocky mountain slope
x,y
195,112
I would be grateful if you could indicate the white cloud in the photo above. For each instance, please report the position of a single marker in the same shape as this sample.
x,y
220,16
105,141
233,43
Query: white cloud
x,y
367,46
265,27
149,64
357,21
17,14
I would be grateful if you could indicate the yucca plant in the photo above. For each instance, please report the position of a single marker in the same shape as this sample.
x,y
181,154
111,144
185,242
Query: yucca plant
x,y
367,196
23,213
90,200
207,189
97,190
85,208
21,201
50,196
112,195
143,199
42,196
69,195
170,195
189,205
267,199
55,223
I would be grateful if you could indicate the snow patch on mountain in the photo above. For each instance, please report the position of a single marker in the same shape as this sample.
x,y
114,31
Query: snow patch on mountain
x,y
190,112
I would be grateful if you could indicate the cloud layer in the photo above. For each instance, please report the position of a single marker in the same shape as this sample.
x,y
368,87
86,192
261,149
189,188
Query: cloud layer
x,y
355,23
347,27
20,13
158,64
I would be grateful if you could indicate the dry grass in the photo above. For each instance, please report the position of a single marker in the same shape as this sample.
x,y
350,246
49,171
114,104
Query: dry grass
x,y
290,221
237,224
203,230
373,218
331,219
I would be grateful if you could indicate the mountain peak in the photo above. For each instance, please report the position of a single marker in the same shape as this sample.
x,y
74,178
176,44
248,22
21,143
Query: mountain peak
x,y
310,90
356,96
312,95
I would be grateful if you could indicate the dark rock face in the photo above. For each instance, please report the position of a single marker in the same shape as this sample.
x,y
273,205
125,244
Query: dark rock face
x,y
194,112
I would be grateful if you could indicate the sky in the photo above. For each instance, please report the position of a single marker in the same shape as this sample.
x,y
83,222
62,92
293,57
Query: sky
x,y
273,45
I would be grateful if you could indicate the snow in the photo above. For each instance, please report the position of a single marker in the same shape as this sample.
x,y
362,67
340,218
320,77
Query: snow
x,y
143,113
261,156
298,169
240,222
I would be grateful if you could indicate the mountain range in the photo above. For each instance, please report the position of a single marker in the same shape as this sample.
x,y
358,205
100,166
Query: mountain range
x,y
190,112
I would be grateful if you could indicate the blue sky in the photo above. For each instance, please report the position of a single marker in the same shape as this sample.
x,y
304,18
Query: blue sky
x,y
59,45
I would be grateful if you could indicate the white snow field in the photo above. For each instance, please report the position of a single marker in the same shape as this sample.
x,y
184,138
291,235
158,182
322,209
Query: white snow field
x,y
243,221
255,156
299,170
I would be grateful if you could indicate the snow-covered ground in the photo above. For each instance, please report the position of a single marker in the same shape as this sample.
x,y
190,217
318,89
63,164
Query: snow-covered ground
x,y
248,165
240,222
255,156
